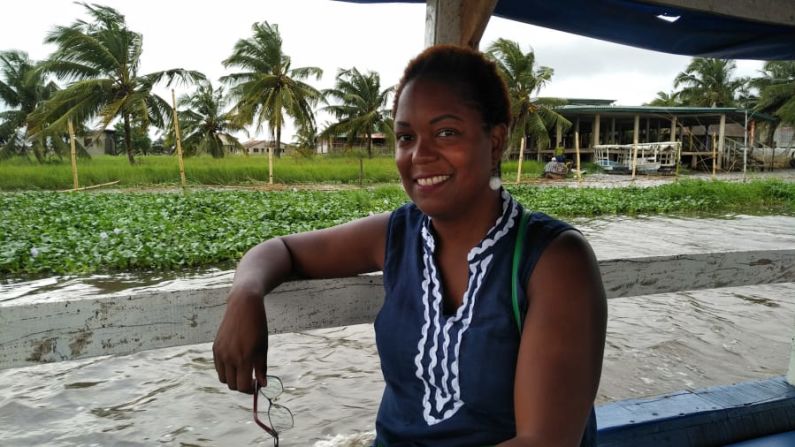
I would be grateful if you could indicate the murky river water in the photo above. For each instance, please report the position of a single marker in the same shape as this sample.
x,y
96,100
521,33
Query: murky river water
x,y
171,397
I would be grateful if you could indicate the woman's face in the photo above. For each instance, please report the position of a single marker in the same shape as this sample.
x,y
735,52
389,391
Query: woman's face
x,y
444,154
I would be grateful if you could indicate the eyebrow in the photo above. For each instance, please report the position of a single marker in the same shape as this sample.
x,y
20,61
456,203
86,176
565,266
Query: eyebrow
x,y
433,121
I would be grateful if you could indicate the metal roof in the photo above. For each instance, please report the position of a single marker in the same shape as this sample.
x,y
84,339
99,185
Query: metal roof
x,y
734,113
637,23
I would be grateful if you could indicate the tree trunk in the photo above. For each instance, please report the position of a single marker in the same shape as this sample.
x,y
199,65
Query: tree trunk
x,y
128,139
369,144
278,141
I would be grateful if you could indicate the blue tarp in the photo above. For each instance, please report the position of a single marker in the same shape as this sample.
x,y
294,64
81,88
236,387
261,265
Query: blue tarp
x,y
637,24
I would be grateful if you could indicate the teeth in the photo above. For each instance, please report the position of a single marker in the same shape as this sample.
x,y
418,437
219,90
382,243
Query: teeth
x,y
435,180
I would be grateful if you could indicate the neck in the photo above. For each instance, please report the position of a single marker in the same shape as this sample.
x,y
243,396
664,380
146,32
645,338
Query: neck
x,y
466,230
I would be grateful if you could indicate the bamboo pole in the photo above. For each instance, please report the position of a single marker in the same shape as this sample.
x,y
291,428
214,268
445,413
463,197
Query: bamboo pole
x,y
678,148
73,154
722,159
635,137
577,148
522,147
179,140
270,164
714,155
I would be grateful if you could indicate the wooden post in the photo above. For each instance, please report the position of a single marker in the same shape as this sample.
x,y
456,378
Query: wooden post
x,y
457,22
612,131
361,171
577,147
522,147
751,136
270,163
635,137
597,124
73,153
791,370
558,136
647,131
179,140
722,141
678,148
714,155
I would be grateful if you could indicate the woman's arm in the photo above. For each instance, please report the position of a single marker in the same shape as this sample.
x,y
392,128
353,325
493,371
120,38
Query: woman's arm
x,y
560,356
241,344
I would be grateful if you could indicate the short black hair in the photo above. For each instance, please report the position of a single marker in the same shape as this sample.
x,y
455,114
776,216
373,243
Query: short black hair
x,y
477,79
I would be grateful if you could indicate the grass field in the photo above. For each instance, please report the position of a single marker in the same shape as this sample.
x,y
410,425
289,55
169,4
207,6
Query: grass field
x,y
162,170
48,232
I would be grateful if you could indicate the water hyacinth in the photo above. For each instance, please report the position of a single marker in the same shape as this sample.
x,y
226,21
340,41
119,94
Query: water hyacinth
x,y
91,232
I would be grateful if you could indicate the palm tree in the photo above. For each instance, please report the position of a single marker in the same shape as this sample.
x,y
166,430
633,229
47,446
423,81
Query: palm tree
x,y
708,82
205,124
22,89
268,88
532,117
776,93
102,58
665,100
306,137
362,106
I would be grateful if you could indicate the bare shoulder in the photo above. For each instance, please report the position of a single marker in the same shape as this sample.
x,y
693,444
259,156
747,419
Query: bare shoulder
x,y
569,253
343,250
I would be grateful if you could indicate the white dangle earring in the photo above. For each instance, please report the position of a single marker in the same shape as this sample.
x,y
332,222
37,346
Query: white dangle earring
x,y
495,182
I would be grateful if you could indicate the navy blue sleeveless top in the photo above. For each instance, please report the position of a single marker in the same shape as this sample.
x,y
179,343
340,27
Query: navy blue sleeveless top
x,y
450,378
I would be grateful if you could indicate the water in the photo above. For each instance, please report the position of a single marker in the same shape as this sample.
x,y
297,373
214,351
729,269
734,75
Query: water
x,y
171,397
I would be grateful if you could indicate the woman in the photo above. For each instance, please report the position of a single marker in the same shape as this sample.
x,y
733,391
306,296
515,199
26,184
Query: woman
x,y
457,370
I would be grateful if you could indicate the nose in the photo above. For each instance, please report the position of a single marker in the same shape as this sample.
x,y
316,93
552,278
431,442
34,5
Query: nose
x,y
424,151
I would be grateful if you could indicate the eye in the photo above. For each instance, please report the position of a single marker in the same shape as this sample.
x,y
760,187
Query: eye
x,y
447,133
403,137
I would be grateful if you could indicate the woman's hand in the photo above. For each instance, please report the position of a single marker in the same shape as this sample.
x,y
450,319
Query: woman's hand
x,y
241,344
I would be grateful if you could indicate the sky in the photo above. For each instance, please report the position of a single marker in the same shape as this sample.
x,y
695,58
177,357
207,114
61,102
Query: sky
x,y
332,35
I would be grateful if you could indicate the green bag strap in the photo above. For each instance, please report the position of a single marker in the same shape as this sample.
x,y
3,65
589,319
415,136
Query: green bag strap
x,y
517,255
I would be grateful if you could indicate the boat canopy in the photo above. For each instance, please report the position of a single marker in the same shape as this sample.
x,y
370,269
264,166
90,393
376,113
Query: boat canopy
x,y
739,32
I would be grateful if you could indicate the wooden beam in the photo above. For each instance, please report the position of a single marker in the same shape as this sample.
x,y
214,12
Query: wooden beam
x,y
779,12
72,329
457,22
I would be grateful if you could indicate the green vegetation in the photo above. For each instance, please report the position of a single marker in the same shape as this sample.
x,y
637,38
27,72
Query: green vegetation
x,y
21,174
87,232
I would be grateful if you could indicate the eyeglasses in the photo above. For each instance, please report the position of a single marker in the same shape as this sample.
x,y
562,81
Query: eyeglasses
x,y
279,417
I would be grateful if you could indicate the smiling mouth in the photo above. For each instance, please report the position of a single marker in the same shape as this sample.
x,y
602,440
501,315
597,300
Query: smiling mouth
x,y
430,181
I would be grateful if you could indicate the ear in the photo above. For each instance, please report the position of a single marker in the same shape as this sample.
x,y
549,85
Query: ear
x,y
499,138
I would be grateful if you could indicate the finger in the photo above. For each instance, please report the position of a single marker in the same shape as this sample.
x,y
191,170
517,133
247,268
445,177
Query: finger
x,y
231,377
261,369
219,368
245,381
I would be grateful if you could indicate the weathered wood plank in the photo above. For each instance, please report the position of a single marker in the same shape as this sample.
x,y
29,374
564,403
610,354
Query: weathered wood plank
x,y
72,329
710,416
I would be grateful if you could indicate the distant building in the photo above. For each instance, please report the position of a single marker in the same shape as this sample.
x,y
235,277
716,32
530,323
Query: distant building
x,y
260,147
101,142
341,142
